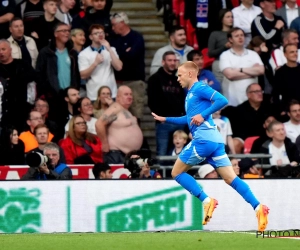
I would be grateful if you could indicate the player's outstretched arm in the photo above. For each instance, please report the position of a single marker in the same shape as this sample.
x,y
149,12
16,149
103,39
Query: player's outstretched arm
x,y
175,120
158,118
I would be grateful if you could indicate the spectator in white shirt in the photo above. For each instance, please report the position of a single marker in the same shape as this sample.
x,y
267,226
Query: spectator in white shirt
x,y
292,127
278,59
96,63
289,11
243,16
240,67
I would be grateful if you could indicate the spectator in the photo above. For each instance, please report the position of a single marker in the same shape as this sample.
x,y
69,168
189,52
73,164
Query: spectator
x,y
218,41
102,171
103,101
292,127
258,44
240,67
257,144
268,25
96,63
34,119
98,14
203,20
130,47
118,129
296,26
283,151
207,171
247,119
243,17
23,47
71,97
84,107
278,59
78,39
42,27
204,74
56,67
298,143
147,173
7,11
81,147
63,11
77,20
248,169
289,11
53,171
41,133
224,127
41,105
16,75
177,44
179,140
12,148
166,97
286,87
29,11
235,166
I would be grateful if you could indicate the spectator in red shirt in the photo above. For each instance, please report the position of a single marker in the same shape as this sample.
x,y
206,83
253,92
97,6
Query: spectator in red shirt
x,y
81,147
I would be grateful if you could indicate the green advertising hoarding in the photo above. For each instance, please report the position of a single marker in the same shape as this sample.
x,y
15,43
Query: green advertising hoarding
x,y
31,207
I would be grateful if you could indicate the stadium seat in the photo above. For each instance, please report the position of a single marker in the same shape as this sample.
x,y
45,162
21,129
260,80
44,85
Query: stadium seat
x,y
208,61
279,3
248,144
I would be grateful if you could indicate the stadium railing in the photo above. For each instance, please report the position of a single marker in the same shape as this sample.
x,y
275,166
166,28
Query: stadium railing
x,y
237,156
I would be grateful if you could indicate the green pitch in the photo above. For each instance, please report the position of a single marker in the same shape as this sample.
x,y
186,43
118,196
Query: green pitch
x,y
141,241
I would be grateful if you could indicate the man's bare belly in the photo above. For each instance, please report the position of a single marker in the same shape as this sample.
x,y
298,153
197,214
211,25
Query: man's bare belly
x,y
125,134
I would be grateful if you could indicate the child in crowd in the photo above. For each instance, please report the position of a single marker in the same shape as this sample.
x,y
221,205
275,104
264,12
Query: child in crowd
x,y
224,127
179,141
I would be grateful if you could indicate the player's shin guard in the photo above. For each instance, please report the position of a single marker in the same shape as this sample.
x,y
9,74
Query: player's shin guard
x,y
244,190
190,184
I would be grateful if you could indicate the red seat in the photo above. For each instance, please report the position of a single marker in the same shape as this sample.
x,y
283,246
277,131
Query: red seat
x,y
248,144
208,61
279,3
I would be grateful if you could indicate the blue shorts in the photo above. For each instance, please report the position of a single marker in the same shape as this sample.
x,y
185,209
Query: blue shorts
x,y
196,152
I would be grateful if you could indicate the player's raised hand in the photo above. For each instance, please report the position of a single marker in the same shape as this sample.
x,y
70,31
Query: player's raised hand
x,y
158,118
197,120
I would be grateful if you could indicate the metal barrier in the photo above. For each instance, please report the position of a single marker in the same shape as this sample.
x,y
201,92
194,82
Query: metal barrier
x,y
237,156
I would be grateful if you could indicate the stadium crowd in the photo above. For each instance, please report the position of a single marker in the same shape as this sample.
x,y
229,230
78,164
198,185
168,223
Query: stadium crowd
x,y
73,84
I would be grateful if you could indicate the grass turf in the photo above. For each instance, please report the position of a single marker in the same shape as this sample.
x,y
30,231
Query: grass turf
x,y
141,241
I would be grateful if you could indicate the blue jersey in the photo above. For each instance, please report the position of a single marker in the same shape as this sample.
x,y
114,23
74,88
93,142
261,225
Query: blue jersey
x,y
202,99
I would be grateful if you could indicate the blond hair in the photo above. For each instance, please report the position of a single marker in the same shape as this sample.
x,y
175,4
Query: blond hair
x,y
180,133
74,32
189,65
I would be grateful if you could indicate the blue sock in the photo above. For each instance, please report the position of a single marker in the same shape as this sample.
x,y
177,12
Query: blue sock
x,y
190,184
244,190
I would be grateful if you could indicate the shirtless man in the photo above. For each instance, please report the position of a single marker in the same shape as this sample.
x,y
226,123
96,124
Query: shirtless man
x,y
118,130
